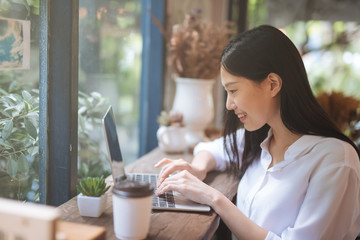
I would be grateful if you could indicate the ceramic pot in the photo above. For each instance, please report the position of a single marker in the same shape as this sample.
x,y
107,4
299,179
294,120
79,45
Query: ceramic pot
x,y
171,139
91,206
194,99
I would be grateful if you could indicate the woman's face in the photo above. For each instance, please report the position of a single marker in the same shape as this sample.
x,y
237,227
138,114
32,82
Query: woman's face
x,y
254,103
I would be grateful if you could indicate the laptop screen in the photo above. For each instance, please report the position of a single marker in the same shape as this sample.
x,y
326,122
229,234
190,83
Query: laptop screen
x,y
111,136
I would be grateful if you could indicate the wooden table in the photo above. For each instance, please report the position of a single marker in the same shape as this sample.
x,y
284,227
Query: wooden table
x,y
164,224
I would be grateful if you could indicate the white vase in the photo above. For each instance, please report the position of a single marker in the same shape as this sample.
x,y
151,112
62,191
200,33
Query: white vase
x,y
172,139
91,206
194,99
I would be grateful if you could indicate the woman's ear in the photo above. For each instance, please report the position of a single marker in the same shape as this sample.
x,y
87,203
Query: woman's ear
x,y
275,83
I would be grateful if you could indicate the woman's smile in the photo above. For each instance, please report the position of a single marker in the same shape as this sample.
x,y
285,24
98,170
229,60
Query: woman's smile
x,y
241,116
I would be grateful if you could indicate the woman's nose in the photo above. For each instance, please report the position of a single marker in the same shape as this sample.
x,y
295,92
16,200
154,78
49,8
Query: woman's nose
x,y
230,104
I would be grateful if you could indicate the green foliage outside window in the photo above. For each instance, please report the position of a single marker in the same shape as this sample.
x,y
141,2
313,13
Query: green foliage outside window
x,y
28,7
330,49
19,141
92,159
19,148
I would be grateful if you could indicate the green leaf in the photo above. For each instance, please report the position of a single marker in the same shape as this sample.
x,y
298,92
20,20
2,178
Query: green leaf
x,y
23,164
27,96
11,168
30,128
84,189
6,132
92,186
3,92
16,98
6,114
5,144
13,85
19,108
33,150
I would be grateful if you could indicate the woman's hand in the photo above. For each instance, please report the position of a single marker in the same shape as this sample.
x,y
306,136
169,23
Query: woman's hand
x,y
189,186
171,166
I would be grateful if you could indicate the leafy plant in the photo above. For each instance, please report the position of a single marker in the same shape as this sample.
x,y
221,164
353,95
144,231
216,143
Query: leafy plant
x,y
92,160
19,141
92,186
19,148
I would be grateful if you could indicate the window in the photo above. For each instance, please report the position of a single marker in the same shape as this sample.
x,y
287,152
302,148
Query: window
x,y
110,48
51,135
19,100
326,36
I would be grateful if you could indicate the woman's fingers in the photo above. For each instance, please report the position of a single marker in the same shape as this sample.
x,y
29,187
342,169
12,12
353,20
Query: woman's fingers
x,y
171,167
172,183
188,185
162,162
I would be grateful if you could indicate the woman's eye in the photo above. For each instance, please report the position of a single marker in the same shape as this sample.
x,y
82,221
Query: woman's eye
x,y
232,91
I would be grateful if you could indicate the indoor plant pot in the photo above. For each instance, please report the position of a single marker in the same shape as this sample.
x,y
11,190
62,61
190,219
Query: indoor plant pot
x,y
195,48
172,139
194,99
92,199
171,134
91,206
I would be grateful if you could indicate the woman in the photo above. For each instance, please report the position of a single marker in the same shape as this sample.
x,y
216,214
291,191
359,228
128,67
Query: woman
x,y
299,175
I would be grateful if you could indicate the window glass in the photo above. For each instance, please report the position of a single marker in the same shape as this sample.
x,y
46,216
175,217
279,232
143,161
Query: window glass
x,y
330,52
328,40
19,100
110,45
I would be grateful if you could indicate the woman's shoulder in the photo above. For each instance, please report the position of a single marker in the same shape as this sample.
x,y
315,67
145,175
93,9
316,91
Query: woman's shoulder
x,y
332,151
335,146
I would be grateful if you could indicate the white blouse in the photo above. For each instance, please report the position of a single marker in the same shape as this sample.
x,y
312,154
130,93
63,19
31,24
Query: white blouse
x,y
313,194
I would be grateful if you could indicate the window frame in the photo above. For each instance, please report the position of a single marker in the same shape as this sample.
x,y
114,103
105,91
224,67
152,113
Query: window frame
x,y
58,86
152,74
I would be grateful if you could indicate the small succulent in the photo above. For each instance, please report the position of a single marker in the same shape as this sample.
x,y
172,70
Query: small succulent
x,y
92,186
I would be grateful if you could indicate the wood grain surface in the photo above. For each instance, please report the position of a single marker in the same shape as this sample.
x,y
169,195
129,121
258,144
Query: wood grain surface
x,y
164,225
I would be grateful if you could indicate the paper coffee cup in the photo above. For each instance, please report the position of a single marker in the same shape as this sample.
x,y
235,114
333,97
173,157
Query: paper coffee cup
x,y
132,202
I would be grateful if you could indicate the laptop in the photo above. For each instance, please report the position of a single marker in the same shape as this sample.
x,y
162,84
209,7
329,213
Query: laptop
x,y
170,200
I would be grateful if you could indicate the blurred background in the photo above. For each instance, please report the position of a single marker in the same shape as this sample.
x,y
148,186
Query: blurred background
x,y
326,32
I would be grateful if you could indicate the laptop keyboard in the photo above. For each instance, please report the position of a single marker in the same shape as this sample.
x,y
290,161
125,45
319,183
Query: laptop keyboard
x,y
165,200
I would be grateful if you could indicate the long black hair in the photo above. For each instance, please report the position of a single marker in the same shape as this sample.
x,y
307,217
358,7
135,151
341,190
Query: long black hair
x,y
253,55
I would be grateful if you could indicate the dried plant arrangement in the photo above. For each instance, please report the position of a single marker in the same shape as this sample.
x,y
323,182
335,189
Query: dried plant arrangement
x,y
344,110
170,119
195,47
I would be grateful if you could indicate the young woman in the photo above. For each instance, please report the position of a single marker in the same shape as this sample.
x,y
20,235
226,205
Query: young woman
x,y
299,175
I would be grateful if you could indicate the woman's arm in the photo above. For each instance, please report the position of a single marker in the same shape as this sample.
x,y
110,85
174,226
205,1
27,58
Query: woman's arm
x,y
204,162
196,190
208,156
240,225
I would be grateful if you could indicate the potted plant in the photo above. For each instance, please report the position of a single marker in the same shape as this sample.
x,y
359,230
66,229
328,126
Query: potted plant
x,y
171,133
195,48
92,198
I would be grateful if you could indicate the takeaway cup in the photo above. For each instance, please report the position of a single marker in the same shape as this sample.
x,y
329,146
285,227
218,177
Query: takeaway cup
x,y
132,202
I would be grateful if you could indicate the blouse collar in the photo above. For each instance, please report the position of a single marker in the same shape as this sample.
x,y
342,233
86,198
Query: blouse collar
x,y
295,151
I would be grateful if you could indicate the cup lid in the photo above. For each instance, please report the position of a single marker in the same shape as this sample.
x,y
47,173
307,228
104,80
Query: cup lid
x,y
133,189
